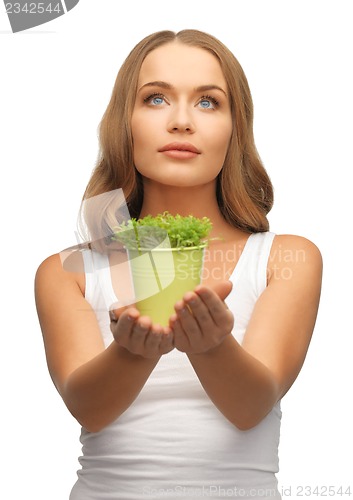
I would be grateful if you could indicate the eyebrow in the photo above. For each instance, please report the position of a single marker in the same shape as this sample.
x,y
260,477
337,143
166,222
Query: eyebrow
x,y
168,86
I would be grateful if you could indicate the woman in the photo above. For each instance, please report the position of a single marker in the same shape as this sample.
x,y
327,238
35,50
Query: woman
x,y
191,409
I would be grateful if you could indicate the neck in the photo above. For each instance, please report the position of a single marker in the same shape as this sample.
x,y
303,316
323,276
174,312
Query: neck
x,y
158,198
199,201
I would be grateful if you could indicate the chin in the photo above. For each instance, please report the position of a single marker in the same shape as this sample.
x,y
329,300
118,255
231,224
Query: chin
x,y
179,179
178,183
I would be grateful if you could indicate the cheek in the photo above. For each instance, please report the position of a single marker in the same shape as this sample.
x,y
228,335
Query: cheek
x,y
227,136
221,140
135,129
142,137
142,131
139,138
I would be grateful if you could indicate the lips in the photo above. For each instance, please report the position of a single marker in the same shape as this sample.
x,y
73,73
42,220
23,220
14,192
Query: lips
x,y
180,151
179,146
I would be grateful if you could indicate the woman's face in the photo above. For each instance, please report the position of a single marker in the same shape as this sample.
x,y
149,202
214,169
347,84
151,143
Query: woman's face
x,y
181,122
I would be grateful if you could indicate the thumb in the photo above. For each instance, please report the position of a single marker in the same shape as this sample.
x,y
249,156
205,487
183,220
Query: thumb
x,y
222,289
115,311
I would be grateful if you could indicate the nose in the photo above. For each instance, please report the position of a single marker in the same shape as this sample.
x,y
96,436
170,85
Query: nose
x,y
181,120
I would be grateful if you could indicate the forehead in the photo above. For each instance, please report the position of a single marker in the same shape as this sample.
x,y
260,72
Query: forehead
x,y
177,63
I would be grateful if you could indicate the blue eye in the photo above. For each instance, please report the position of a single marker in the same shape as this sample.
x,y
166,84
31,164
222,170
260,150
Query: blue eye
x,y
157,100
154,99
205,104
208,102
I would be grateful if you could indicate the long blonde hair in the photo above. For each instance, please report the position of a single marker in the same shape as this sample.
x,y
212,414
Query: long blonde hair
x,y
244,189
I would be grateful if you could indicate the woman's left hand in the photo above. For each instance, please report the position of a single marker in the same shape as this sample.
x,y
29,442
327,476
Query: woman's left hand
x,y
202,320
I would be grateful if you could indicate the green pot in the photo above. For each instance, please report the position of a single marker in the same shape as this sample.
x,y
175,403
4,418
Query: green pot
x,y
161,276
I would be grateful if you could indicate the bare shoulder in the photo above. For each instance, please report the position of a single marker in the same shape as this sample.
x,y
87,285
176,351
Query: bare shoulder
x,y
50,268
295,243
59,269
290,252
49,265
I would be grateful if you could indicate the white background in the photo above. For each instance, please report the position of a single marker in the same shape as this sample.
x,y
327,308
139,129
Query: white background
x,y
55,83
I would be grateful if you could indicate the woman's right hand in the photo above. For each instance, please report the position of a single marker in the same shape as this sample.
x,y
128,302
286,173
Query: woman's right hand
x,y
139,335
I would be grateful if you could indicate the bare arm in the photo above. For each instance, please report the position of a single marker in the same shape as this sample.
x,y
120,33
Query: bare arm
x,y
245,381
96,383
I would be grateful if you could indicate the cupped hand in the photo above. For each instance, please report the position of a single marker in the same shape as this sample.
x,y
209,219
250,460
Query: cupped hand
x,y
202,320
139,335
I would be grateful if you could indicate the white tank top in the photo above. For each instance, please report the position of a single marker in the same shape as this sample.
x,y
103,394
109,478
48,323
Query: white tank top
x,y
172,442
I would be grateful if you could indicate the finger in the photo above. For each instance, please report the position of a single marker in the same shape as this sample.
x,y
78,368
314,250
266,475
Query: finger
x,y
200,311
167,342
189,326
222,288
152,340
116,312
122,316
159,341
217,308
139,333
188,322
181,341
122,328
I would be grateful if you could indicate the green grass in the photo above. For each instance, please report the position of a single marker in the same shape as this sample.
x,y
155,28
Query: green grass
x,y
149,232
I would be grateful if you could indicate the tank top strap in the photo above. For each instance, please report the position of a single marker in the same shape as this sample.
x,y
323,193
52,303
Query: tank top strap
x,y
253,262
98,277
